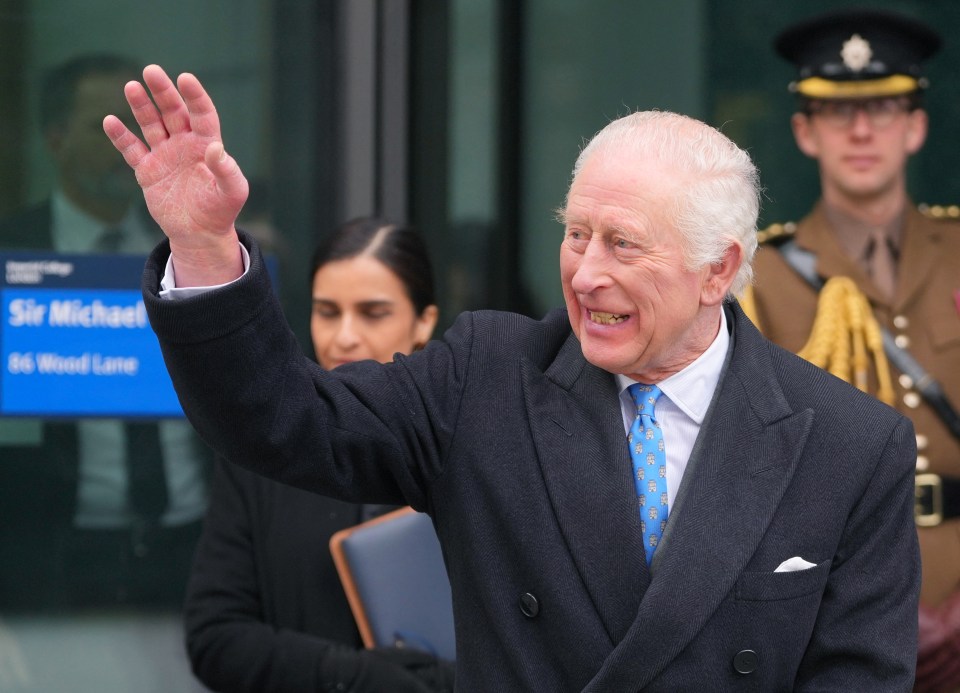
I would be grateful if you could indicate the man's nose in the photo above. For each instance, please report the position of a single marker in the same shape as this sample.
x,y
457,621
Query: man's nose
x,y
861,126
593,269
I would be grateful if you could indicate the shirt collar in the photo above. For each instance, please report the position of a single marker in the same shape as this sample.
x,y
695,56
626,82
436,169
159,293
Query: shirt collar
x,y
74,231
692,388
855,235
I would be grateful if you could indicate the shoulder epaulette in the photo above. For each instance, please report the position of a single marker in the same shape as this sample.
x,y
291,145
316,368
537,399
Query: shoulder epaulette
x,y
940,211
776,233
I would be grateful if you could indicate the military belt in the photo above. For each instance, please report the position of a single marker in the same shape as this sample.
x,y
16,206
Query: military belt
x,y
937,498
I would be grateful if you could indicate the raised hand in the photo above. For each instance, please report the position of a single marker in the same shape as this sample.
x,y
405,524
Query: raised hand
x,y
192,187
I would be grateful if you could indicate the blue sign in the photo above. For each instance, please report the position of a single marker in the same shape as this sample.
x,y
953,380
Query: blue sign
x,y
75,340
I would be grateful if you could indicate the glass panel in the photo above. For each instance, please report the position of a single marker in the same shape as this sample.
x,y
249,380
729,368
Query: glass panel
x,y
92,571
473,154
587,63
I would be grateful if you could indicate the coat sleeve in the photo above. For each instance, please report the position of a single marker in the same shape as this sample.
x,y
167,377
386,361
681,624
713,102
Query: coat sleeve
x,y
367,432
865,637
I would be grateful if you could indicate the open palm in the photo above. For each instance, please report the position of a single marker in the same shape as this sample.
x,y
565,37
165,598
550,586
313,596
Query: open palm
x,y
193,189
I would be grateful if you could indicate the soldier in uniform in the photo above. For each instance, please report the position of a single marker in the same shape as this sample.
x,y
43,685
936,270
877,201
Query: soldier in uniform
x,y
860,117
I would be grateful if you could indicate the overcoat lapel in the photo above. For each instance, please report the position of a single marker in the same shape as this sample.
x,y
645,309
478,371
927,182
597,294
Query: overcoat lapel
x,y
742,464
582,449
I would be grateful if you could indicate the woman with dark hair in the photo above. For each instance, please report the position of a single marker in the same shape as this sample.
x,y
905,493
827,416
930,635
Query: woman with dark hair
x,y
265,610
372,293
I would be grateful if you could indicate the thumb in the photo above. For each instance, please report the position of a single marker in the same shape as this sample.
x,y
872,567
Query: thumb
x,y
226,171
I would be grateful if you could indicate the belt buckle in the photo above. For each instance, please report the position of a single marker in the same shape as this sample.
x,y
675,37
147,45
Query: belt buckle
x,y
928,495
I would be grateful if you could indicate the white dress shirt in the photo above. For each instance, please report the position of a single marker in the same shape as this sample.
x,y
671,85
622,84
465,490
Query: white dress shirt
x,y
168,284
74,231
102,485
682,406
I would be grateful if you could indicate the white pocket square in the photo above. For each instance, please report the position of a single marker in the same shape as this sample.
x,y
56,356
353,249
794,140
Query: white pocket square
x,y
793,564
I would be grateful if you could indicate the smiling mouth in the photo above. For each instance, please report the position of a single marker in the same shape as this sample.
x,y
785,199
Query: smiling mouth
x,y
606,318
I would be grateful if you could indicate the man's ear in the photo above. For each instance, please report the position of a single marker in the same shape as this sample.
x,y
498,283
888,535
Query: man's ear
x,y
805,135
718,276
917,126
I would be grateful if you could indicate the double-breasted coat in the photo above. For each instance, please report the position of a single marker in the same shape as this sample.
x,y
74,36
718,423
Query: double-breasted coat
x,y
515,446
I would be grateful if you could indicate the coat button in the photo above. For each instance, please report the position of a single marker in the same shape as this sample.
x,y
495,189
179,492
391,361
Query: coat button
x,y
745,661
529,605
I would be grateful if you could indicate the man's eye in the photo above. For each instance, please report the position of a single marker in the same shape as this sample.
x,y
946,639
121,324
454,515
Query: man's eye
x,y
883,106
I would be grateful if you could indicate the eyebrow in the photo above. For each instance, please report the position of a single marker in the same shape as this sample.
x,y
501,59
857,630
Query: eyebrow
x,y
583,220
372,303
576,219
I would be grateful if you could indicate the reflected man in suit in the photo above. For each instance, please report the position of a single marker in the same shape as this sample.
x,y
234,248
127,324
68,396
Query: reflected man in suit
x,y
77,532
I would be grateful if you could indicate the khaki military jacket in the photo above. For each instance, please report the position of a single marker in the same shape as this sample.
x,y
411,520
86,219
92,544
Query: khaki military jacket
x,y
924,316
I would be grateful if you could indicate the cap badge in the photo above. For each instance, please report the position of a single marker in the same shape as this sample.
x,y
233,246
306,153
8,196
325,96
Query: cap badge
x,y
856,53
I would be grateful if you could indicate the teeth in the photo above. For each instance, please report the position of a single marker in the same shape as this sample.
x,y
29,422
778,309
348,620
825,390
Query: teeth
x,y
607,318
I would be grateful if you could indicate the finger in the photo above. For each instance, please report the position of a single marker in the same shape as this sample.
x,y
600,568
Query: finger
x,y
128,144
143,109
203,116
173,112
230,179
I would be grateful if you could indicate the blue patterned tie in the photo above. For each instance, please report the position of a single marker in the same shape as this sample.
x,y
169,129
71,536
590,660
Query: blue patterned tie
x,y
649,466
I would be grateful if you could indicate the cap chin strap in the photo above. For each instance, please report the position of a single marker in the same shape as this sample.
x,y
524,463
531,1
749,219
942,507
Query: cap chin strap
x,y
820,88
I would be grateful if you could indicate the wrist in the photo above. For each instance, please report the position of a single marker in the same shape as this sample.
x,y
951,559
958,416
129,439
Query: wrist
x,y
213,262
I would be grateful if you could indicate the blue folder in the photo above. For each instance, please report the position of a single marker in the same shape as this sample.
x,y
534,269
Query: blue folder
x,y
393,573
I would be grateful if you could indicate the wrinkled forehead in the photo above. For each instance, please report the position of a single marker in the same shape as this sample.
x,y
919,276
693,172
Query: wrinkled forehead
x,y
617,190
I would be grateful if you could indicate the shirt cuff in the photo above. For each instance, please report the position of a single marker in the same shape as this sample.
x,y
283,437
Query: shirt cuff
x,y
168,285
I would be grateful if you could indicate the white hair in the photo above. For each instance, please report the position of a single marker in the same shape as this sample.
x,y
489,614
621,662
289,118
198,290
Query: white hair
x,y
720,202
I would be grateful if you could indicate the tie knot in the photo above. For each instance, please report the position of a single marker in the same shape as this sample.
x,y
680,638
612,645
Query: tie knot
x,y
880,247
645,397
881,262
